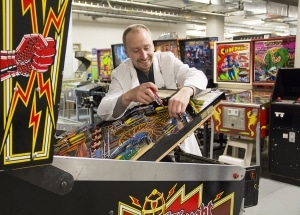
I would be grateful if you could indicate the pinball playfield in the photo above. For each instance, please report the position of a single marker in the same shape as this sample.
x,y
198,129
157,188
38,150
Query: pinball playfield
x,y
142,128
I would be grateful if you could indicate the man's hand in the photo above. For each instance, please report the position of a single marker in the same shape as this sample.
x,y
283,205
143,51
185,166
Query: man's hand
x,y
34,53
142,93
178,103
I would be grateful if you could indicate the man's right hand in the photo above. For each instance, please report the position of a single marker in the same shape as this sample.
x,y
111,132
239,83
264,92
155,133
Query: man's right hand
x,y
142,94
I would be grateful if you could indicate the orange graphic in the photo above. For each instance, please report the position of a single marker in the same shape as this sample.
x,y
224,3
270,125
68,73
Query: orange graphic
x,y
179,203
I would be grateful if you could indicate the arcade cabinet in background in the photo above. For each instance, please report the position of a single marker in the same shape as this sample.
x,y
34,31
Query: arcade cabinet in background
x,y
284,153
199,53
105,64
167,45
84,70
118,54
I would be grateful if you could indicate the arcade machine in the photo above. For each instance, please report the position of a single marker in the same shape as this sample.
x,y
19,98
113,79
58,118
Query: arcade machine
x,y
118,54
167,45
83,71
105,64
90,95
247,70
199,53
284,127
35,180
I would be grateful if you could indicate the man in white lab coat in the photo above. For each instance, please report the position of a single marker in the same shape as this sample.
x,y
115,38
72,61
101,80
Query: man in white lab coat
x,y
143,73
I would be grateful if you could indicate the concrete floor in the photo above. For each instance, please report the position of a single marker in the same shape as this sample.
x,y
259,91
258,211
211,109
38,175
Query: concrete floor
x,y
276,198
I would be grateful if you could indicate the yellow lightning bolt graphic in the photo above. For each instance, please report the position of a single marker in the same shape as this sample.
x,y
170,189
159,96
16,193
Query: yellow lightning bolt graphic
x,y
57,21
24,96
34,122
45,88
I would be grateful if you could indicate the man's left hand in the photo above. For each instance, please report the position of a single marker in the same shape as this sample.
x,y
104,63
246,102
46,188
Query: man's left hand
x,y
178,103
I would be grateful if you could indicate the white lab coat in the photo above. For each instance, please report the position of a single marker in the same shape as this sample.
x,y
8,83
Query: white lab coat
x,y
168,72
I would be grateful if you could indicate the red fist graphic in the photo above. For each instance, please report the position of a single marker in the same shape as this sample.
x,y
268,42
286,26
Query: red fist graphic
x,y
33,53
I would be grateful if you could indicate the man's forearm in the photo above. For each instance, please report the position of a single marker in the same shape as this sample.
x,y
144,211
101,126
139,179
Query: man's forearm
x,y
119,108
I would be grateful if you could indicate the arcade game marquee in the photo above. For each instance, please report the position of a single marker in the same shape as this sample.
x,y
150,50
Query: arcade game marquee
x,y
36,179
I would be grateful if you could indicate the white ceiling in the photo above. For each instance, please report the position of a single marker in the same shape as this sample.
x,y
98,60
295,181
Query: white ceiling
x,y
242,17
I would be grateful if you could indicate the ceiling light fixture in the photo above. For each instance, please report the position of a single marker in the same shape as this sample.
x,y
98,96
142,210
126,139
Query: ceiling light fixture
x,y
202,1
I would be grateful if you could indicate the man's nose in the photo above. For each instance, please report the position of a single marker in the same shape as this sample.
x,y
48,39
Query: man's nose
x,y
143,54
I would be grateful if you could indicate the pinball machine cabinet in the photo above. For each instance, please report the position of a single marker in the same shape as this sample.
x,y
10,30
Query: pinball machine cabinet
x,y
243,114
284,149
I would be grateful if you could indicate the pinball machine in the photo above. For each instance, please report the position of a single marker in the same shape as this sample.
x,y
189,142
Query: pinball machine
x,y
77,185
247,69
35,180
245,114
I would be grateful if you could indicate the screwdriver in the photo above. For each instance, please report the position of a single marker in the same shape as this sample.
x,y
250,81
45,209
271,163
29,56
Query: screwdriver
x,y
157,98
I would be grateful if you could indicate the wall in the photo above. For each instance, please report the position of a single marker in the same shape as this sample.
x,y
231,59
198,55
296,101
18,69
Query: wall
x,y
68,72
102,32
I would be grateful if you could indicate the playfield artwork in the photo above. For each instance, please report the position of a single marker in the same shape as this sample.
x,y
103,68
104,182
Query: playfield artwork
x,y
233,62
129,137
124,139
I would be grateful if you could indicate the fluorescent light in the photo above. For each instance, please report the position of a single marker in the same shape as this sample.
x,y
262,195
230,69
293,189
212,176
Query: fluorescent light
x,y
252,22
202,1
195,33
